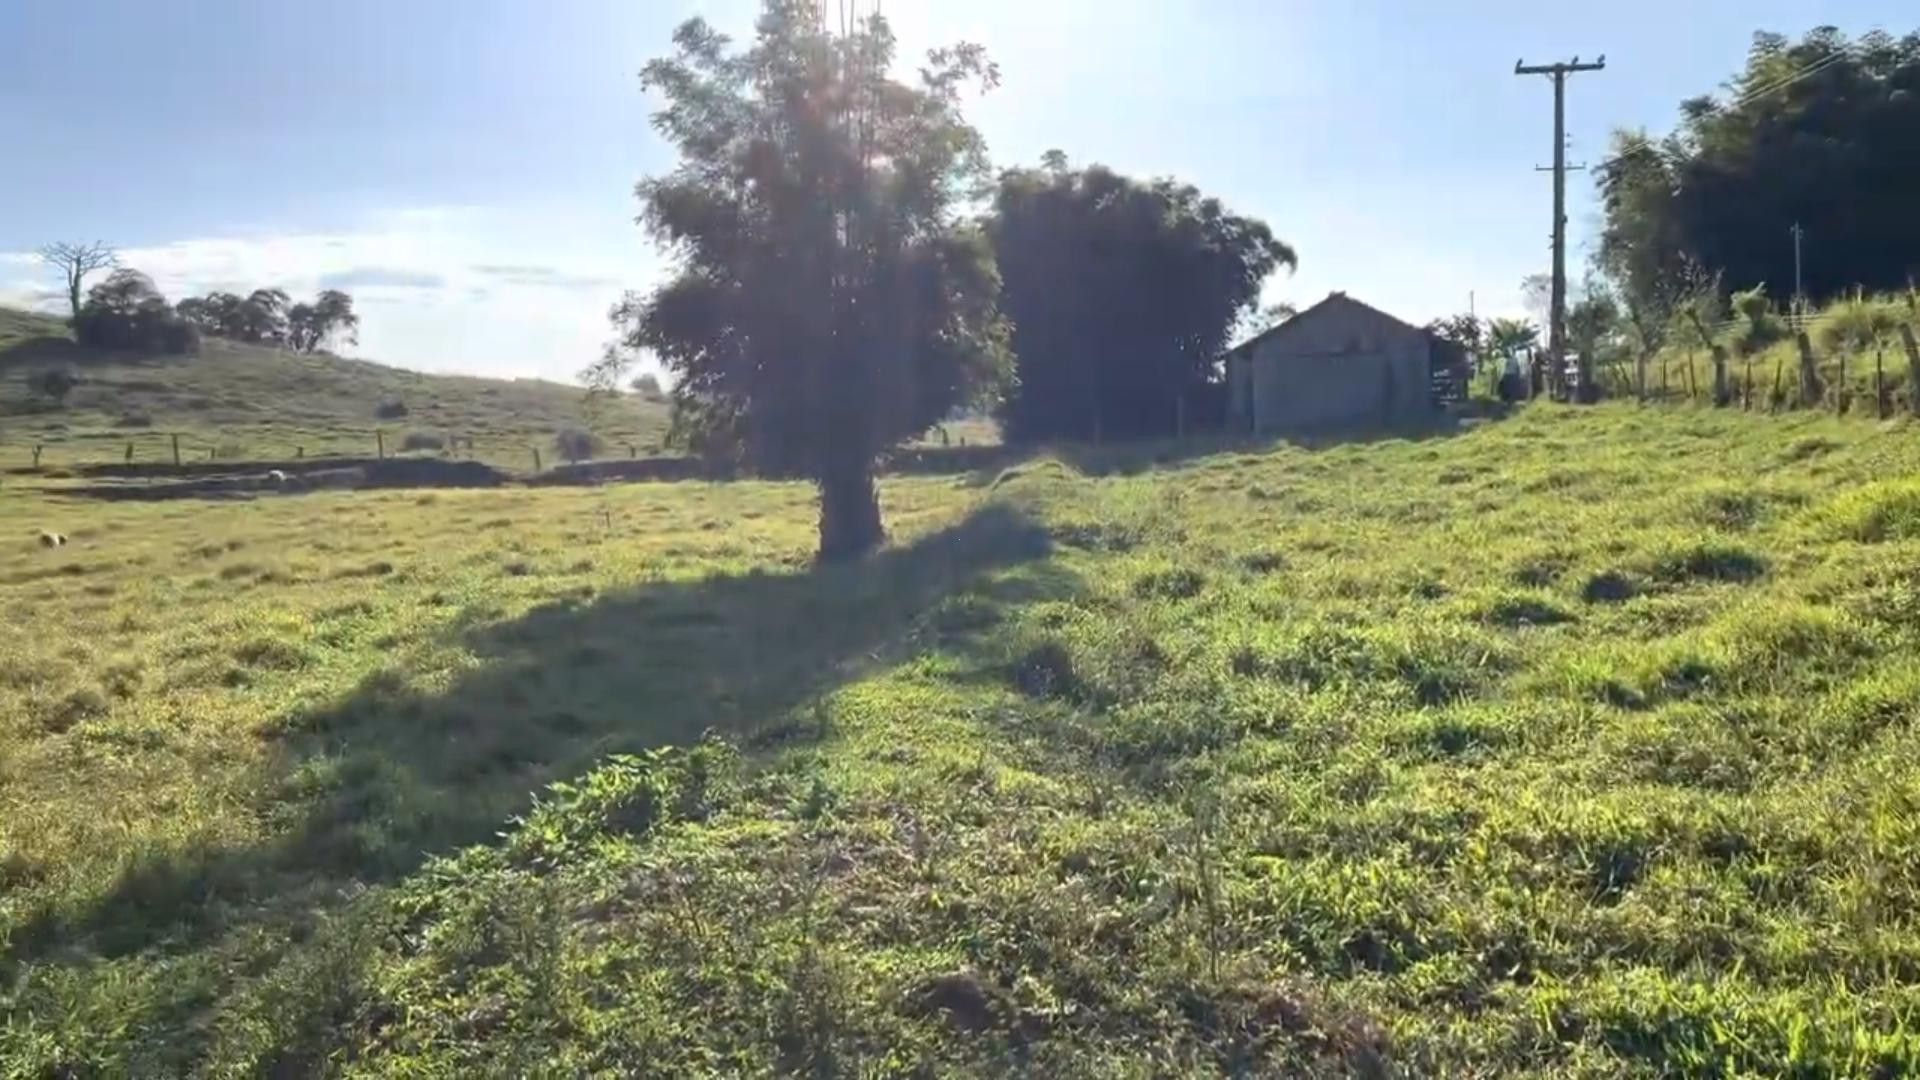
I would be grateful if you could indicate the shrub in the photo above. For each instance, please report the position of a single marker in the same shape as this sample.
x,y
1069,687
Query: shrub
x,y
576,444
1763,325
53,384
391,409
423,440
649,389
1857,325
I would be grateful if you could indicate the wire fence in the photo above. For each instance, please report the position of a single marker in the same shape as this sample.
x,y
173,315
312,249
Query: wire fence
x,y
157,450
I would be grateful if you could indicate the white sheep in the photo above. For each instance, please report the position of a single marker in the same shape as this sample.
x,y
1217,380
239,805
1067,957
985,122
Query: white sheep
x,y
53,540
276,476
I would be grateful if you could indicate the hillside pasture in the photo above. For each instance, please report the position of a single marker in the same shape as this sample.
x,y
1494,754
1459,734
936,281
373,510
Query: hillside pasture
x,y
244,402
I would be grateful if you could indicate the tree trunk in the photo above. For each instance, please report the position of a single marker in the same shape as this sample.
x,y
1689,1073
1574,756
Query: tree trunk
x,y
849,509
1809,373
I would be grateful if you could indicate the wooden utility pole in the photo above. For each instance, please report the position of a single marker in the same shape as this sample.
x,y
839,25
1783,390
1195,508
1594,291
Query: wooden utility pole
x,y
1557,332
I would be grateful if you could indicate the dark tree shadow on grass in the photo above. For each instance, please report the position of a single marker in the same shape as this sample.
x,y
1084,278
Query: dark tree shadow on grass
x,y
389,776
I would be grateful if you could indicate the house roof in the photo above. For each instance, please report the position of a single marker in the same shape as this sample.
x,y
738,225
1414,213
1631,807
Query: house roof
x,y
1334,300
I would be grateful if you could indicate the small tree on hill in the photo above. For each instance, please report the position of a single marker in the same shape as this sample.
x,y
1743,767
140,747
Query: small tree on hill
x,y
127,312
648,387
310,327
576,444
75,262
827,304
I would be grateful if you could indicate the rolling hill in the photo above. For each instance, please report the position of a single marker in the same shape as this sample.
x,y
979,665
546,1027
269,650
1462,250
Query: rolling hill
x,y
250,402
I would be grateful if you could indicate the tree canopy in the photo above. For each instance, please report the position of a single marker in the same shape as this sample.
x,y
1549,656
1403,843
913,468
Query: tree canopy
x,y
270,317
1823,132
827,304
311,327
126,311
1122,294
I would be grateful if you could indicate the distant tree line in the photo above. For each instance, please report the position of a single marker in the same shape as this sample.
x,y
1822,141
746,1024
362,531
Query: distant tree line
x,y
126,311
269,317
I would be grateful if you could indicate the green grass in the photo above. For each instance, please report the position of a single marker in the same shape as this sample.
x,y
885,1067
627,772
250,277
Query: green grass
x,y
244,402
1577,744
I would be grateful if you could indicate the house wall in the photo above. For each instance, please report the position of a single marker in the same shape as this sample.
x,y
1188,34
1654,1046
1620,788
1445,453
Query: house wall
x,y
1342,365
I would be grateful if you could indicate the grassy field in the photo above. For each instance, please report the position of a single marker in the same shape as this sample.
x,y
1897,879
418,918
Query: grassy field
x,y
1577,744
244,402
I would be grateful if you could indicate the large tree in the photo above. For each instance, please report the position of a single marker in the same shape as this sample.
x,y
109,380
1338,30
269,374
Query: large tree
x,y
1122,295
1823,132
827,303
75,261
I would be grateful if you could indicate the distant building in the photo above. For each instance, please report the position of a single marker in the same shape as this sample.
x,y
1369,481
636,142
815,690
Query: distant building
x,y
1341,364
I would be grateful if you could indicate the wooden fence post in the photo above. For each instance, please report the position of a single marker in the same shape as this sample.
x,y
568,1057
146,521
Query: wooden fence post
x,y
1880,380
1693,381
1842,393
129,453
1777,400
380,443
176,451
299,452
1809,374
1746,393
36,454
536,459
1722,394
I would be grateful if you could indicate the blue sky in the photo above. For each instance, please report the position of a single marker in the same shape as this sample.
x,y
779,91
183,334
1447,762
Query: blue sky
x,y
465,167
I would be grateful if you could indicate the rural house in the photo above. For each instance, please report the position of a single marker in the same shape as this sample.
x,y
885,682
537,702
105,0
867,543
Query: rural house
x,y
1340,364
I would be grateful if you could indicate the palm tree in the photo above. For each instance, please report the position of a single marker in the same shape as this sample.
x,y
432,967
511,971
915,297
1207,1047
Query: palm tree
x,y
1510,338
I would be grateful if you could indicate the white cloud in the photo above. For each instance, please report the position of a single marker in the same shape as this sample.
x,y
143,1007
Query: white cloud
x,y
479,291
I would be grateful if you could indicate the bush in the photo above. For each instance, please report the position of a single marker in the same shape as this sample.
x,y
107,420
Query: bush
x,y
1763,325
576,444
391,409
1857,325
649,388
423,440
53,384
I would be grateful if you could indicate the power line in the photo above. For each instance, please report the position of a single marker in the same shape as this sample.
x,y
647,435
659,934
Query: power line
x,y
1801,75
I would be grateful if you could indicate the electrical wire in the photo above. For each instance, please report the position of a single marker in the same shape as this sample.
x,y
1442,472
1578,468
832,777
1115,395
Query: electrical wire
x,y
1806,72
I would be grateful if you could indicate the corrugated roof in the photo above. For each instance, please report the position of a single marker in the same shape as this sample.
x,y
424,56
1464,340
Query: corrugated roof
x,y
1332,298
